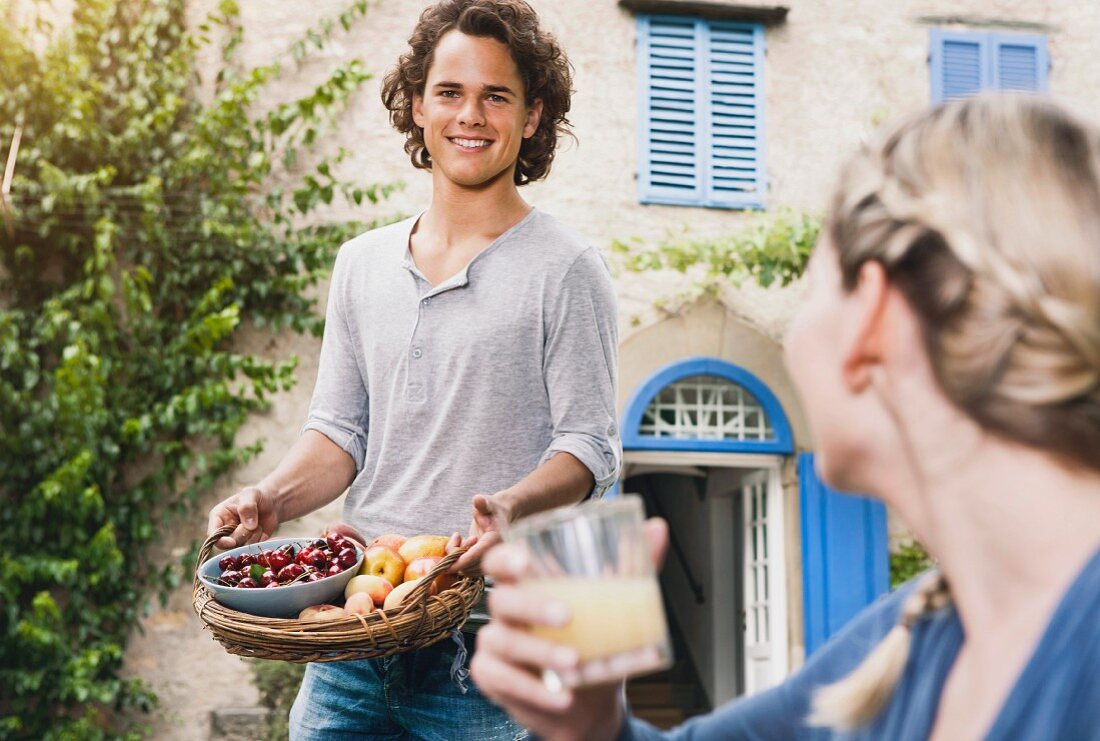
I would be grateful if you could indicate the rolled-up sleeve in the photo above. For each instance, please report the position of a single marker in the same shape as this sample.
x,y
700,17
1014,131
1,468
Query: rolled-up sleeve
x,y
339,408
580,368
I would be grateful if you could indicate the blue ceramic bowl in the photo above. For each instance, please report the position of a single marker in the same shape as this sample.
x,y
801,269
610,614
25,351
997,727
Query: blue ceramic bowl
x,y
281,602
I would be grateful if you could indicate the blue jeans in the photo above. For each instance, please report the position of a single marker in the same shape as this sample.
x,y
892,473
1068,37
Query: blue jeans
x,y
407,696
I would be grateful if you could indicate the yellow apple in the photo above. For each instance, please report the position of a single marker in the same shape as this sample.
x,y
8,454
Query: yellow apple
x,y
374,587
361,602
390,540
398,595
384,562
322,612
421,546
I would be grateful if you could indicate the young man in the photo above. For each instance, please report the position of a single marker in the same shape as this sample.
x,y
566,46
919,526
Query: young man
x,y
468,362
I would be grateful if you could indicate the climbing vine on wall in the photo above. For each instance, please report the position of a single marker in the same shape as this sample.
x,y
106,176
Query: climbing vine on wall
x,y
144,229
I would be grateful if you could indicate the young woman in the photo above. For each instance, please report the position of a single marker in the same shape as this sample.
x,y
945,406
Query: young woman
x,y
948,355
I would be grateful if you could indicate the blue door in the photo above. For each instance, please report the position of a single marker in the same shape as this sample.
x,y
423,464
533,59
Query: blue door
x,y
845,561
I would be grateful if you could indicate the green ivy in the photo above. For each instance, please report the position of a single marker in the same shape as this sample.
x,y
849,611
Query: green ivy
x,y
768,249
277,683
146,234
907,561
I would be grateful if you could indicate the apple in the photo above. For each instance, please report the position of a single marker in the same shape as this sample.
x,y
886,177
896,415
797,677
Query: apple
x,y
384,562
375,587
421,567
421,546
322,612
398,595
390,540
360,603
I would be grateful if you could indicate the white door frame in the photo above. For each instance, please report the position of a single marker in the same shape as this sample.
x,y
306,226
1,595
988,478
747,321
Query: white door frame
x,y
769,465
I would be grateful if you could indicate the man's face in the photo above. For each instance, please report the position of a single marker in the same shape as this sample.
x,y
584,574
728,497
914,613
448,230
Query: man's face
x,y
473,111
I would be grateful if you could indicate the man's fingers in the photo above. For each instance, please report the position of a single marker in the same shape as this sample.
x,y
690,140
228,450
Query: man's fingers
x,y
248,508
516,606
521,647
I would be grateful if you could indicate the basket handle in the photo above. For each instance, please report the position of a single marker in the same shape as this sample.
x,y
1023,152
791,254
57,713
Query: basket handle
x,y
419,595
205,553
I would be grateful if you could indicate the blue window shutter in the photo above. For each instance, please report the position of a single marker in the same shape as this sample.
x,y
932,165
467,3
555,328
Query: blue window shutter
x,y
701,109
964,63
734,107
1020,62
959,66
845,559
669,60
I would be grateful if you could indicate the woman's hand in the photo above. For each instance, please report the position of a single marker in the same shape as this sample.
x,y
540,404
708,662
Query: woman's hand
x,y
508,664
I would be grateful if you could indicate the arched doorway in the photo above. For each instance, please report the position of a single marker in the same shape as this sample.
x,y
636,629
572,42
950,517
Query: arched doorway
x,y
704,442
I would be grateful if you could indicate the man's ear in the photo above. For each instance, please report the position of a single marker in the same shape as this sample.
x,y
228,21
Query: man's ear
x,y
869,303
418,109
534,116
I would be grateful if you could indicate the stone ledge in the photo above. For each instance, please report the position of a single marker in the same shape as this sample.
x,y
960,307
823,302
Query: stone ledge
x,y
718,9
238,723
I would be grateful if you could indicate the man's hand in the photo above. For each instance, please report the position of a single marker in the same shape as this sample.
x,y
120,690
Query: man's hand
x,y
490,513
253,512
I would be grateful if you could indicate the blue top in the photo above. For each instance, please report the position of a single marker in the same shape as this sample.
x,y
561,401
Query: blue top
x,y
1056,696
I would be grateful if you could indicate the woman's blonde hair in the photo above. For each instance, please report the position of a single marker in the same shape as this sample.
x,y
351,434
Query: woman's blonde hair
x,y
985,214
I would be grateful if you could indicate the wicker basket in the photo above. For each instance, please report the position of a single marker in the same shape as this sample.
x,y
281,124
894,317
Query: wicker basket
x,y
421,621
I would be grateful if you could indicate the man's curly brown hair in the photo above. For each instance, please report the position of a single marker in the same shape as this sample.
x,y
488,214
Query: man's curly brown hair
x,y
543,67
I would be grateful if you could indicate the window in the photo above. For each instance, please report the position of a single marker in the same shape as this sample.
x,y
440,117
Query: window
x,y
706,408
963,63
701,118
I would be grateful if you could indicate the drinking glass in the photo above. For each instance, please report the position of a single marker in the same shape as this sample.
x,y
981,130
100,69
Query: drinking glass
x,y
594,558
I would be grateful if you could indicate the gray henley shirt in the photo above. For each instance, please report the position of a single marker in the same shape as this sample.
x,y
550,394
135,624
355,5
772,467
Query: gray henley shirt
x,y
442,392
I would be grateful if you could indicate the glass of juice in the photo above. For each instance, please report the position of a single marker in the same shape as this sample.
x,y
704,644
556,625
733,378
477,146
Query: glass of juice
x,y
594,558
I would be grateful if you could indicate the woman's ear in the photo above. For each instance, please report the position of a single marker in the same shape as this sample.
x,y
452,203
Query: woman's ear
x,y
534,116
869,301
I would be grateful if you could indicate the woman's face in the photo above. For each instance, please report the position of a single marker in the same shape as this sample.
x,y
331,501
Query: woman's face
x,y
817,346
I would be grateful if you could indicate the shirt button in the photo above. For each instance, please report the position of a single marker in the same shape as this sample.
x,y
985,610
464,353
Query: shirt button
x,y
417,352
427,300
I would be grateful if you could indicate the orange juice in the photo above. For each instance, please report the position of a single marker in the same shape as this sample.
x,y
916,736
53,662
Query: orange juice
x,y
611,615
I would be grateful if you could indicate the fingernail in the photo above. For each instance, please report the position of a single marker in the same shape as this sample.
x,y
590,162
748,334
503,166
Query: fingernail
x,y
250,524
556,615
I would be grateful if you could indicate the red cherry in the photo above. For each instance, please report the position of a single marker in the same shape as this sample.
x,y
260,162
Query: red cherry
x,y
228,563
276,560
230,577
336,542
264,558
318,543
347,557
290,572
273,584
334,569
267,578
247,583
303,555
245,560
317,559
315,576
